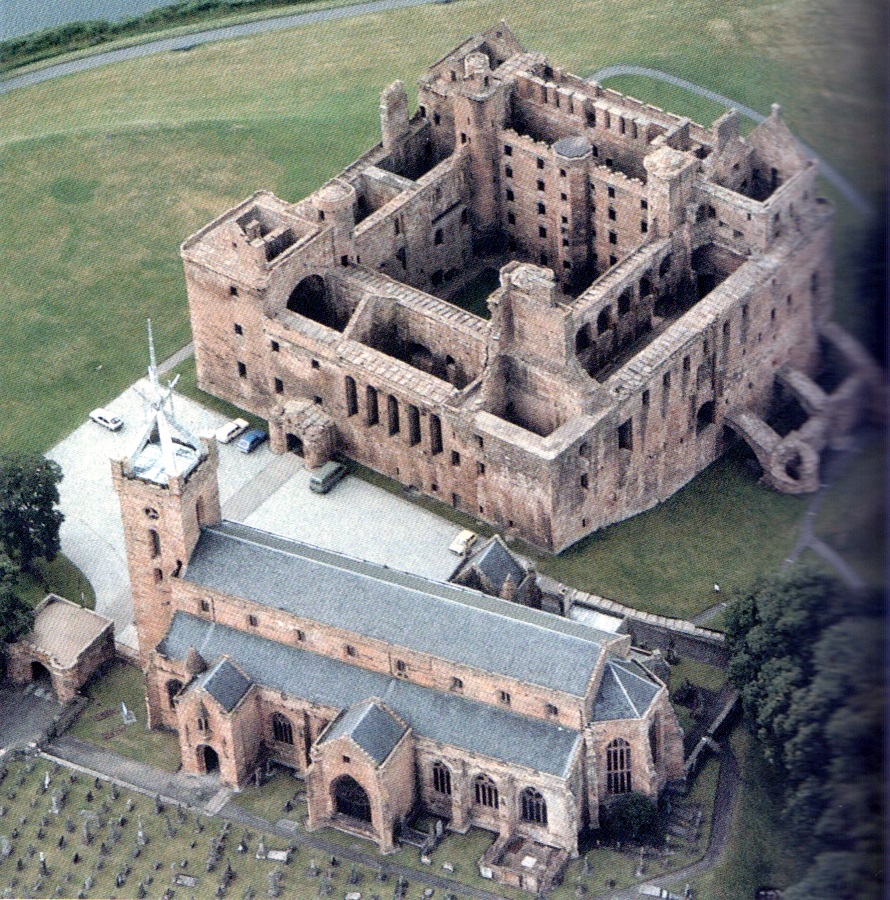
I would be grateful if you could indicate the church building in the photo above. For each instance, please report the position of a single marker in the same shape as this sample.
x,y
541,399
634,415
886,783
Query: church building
x,y
386,692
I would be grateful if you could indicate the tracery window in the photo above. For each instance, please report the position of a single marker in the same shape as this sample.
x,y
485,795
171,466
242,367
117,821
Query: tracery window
x,y
282,729
534,806
618,767
441,778
485,792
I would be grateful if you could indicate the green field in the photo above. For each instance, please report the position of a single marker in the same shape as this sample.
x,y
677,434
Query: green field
x,y
106,172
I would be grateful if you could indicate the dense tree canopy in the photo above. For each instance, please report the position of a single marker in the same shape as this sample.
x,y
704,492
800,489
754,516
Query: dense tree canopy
x,y
29,519
808,659
16,616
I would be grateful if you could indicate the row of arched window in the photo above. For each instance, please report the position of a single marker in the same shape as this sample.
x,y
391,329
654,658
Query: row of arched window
x,y
485,793
485,790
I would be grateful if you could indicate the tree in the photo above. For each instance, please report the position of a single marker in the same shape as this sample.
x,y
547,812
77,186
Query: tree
x,y
29,519
630,817
16,616
808,660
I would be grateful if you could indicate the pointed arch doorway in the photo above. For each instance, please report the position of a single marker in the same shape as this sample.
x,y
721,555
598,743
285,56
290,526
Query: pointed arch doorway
x,y
351,799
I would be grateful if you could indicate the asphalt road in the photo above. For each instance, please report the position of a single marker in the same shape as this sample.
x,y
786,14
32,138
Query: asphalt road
x,y
188,41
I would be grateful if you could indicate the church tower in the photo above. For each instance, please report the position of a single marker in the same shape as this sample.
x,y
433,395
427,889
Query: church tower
x,y
167,489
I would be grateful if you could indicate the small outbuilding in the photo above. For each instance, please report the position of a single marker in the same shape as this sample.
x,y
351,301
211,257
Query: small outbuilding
x,y
68,643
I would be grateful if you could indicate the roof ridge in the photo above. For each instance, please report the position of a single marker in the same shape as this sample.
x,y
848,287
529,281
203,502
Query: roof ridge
x,y
624,691
506,613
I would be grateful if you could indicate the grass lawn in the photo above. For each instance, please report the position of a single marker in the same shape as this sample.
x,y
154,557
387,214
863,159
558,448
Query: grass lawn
x,y
268,801
60,577
112,168
100,721
711,678
723,527
178,843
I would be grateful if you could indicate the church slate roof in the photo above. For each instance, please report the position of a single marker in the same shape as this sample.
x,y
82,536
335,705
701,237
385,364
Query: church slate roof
x,y
371,726
443,620
435,715
625,692
497,564
224,683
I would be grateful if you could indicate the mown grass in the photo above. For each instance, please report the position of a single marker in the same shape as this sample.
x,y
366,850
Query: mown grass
x,y
711,678
100,723
178,842
724,527
110,169
60,577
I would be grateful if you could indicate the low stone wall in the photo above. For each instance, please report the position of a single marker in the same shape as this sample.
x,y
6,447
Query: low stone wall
x,y
661,632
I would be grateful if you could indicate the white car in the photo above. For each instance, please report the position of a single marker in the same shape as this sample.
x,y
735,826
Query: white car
x,y
107,419
231,430
462,543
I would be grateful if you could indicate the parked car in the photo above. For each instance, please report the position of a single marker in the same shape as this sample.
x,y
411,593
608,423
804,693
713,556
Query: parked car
x,y
107,419
326,477
462,543
250,440
228,432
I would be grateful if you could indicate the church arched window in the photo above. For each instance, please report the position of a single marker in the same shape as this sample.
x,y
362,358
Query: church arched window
x,y
618,767
534,806
485,791
282,729
441,778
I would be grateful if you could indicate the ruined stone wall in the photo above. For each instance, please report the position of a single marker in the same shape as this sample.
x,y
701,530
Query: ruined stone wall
x,y
506,150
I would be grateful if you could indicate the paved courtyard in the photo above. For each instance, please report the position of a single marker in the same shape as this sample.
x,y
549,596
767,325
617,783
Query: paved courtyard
x,y
263,490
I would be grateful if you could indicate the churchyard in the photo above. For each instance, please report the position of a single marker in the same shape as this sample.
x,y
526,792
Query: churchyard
x,y
41,801
68,834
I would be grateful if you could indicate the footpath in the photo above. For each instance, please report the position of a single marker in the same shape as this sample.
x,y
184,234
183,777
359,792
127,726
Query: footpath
x,y
203,793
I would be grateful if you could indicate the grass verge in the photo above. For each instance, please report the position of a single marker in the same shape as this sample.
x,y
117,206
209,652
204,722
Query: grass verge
x,y
100,721
760,851
60,577
723,527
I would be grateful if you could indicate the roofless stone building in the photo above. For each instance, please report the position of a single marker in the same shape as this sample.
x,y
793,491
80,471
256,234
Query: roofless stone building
x,y
661,285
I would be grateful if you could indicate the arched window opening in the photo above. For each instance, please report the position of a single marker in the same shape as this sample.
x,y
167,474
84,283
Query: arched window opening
x,y
282,729
583,339
441,778
485,792
618,772
392,413
155,542
310,299
704,417
604,320
534,806
173,688
351,396
351,799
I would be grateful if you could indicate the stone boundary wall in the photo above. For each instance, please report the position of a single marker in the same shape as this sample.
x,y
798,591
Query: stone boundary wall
x,y
702,644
